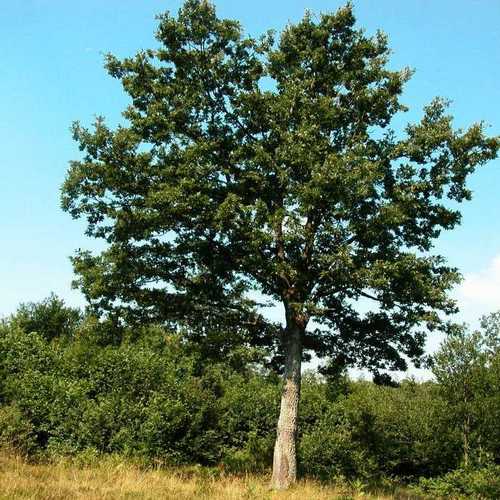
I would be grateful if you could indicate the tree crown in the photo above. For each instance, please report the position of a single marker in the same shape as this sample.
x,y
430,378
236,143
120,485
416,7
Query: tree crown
x,y
270,164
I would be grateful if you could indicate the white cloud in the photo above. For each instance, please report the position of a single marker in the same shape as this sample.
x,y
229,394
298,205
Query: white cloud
x,y
479,293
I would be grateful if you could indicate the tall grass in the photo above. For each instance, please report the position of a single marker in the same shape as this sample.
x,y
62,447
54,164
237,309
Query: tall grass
x,y
111,478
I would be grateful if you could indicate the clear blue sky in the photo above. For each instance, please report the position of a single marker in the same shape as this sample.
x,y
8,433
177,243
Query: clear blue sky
x,y
51,56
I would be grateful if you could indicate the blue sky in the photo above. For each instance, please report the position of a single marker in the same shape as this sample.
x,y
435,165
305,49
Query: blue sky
x,y
51,53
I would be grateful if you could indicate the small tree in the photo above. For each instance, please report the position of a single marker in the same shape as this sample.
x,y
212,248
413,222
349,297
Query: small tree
x,y
490,327
51,318
467,367
269,164
490,405
457,367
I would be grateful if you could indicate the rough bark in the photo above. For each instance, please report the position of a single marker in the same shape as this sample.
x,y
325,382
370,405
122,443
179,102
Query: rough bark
x,y
285,458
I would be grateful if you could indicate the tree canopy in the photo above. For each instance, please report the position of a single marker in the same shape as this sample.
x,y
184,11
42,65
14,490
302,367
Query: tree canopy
x,y
221,182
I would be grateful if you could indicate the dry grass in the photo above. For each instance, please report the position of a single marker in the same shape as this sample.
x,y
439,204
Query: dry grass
x,y
111,479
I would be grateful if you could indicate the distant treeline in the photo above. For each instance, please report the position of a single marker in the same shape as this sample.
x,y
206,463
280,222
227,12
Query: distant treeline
x,y
73,385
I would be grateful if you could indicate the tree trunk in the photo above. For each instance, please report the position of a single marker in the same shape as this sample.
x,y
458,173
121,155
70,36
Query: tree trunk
x,y
466,433
466,426
285,458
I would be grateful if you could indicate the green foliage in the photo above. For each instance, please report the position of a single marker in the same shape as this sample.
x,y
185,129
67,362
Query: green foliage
x,y
247,412
50,318
19,354
405,429
464,483
467,367
153,398
270,164
128,398
16,430
331,451
381,430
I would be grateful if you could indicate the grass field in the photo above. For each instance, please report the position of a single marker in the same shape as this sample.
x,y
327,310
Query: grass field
x,y
112,479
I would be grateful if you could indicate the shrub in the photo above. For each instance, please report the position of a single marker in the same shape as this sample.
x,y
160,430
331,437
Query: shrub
x,y
247,410
16,431
405,429
50,318
480,483
330,449
145,394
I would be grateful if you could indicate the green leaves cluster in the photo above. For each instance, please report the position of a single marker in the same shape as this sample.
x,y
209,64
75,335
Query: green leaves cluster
x,y
269,164
467,368
150,394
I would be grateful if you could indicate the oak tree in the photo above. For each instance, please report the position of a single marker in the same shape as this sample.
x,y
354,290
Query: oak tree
x,y
269,164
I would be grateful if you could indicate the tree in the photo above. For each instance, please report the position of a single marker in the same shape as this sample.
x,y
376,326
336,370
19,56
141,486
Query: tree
x,y
490,405
457,367
467,369
51,318
270,165
490,328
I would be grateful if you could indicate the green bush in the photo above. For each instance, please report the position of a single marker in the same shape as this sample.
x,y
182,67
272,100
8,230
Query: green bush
x,y
330,450
405,429
54,406
145,394
137,399
50,318
480,483
20,353
16,431
247,411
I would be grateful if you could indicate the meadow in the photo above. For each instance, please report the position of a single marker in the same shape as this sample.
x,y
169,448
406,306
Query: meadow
x,y
112,478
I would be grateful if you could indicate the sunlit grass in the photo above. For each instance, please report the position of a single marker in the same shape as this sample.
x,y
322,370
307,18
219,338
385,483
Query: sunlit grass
x,y
111,478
